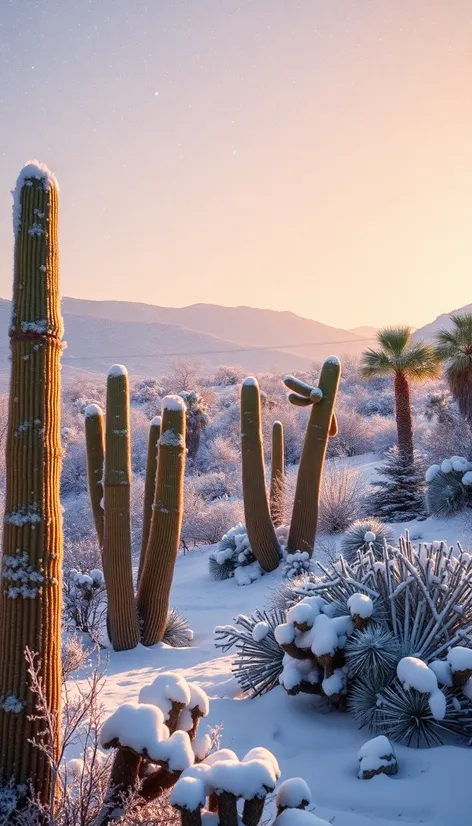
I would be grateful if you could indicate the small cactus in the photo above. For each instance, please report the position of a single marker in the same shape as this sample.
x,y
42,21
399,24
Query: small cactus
x,y
321,426
277,475
260,530
30,594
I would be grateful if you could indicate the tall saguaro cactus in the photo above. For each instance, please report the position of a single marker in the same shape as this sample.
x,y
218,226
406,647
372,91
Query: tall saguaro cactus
x,y
95,441
321,425
30,593
260,530
149,485
122,620
166,522
277,477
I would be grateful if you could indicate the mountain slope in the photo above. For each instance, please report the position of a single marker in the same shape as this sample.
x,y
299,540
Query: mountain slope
x,y
443,321
148,349
246,326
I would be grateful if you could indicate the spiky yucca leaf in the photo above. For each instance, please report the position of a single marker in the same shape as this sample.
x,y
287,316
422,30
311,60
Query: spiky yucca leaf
x,y
178,633
375,652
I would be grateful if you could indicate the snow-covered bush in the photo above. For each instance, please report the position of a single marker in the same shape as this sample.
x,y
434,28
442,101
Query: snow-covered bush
x,y
258,663
233,557
379,635
354,437
211,486
297,564
377,757
84,602
381,404
446,438
400,494
178,633
343,492
364,534
449,486
228,376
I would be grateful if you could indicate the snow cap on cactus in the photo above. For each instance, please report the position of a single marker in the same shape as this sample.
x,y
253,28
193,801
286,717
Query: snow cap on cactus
x,y
360,605
250,382
174,402
93,410
117,370
167,688
156,421
293,793
37,171
188,794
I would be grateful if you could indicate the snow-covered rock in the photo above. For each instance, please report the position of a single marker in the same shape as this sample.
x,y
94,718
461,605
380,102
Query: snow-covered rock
x,y
376,757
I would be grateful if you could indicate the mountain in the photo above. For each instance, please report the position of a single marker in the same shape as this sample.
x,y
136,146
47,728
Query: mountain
x,y
149,338
246,326
148,349
443,321
369,333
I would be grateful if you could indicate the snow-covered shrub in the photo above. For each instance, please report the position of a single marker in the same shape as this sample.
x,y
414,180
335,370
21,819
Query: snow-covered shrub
x,y
380,404
74,466
377,757
211,486
233,553
383,434
446,439
449,486
400,495
84,602
148,392
378,633
206,522
354,437
343,492
364,534
228,376
297,564
178,633
258,663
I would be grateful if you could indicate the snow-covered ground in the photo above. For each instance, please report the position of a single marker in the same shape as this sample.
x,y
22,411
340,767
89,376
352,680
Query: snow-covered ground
x,y
432,785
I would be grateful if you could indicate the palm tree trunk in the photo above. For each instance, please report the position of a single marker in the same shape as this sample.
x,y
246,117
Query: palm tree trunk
x,y
403,415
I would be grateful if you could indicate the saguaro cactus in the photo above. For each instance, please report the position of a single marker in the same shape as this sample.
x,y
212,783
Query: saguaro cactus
x,y
149,485
30,594
321,425
260,530
277,478
162,514
122,620
166,522
95,442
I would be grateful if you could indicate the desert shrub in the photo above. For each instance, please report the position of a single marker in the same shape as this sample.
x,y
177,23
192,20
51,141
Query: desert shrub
x,y
389,638
383,432
446,439
354,437
232,554
364,534
343,492
400,494
258,663
381,404
449,486
178,633
296,565
147,392
74,465
211,486
84,602
227,376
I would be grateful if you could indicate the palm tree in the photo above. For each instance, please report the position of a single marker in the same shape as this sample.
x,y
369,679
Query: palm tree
x,y
408,362
454,347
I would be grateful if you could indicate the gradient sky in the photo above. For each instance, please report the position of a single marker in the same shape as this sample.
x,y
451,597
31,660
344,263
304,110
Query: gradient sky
x,y
309,155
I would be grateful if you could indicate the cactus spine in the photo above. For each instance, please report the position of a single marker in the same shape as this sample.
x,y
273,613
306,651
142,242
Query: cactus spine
x,y
95,447
321,425
122,620
260,529
166,522
30,594
149,486
277,477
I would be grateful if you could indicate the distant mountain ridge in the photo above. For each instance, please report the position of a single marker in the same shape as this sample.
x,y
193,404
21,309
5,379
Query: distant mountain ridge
x,y
442,322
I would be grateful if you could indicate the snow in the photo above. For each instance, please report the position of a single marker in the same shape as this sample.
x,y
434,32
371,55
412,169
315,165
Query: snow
x,y
375,754
446,466
171,439
432,785
437,704
31,169
156,421
443,672
93,410
334,684
292,793
360,605
166,689
284,633
414,673
250,382
174,403
460,658
260,631
198,699
370,536
432,471
188,793
333,360
467,478
299,817
117,370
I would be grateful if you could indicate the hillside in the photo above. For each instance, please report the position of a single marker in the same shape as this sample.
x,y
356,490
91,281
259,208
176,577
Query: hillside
x,y
93,343
245,326
443,321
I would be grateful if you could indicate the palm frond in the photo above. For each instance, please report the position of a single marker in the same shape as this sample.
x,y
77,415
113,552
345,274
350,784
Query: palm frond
x,y
395,340
420,362
375,363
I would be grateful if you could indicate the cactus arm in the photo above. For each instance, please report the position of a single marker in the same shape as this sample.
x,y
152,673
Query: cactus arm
x,y
298,386
260,529
30,594
333,427
122,619
299,401
277,474
95,447
166,522
149,486
307,495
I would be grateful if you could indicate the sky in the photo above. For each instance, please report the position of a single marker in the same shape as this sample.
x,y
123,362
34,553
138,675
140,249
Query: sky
x,y
304,155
